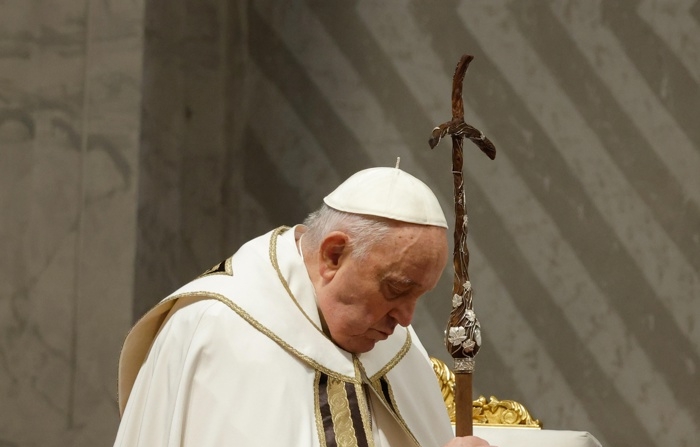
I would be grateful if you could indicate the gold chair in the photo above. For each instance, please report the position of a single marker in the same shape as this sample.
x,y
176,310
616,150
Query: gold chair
x,y
494,413
507,423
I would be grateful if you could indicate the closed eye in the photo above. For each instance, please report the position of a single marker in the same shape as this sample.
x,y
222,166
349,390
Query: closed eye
x,y
399,288
396,291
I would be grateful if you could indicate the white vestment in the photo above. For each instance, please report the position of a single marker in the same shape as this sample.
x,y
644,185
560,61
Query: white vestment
x,y
237,358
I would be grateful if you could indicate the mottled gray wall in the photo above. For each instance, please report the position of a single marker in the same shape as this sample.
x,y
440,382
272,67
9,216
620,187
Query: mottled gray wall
x,y
70,79
584,232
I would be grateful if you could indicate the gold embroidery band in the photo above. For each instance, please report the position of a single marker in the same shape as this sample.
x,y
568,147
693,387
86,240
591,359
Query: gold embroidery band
x,y
340,410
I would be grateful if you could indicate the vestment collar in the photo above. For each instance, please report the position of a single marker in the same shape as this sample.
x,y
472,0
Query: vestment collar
x,y
266,284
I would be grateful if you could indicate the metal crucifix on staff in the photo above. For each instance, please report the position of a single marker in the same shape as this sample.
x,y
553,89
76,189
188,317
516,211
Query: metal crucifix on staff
x,y
463,334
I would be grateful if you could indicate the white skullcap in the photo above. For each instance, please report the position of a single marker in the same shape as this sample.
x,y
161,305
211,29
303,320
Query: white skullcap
x,y
390,193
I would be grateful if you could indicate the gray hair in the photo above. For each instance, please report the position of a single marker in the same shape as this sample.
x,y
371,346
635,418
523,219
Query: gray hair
x,y
364,231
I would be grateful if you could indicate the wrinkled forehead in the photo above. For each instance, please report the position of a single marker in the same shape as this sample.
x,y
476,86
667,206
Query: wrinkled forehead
x,y
417,249
423,235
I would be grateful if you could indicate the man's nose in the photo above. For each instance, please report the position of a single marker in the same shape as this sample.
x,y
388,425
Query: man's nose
x,y
403,313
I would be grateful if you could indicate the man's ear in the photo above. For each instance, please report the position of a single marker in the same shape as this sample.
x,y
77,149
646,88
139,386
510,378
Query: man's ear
x,y
333,248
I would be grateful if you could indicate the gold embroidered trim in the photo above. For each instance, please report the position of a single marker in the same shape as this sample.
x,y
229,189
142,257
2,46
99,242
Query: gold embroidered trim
x,y
273,259
340,414
257,325
397,358
361,390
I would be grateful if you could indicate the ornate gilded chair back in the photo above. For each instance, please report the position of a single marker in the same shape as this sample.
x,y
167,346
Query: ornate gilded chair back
x,y
507,413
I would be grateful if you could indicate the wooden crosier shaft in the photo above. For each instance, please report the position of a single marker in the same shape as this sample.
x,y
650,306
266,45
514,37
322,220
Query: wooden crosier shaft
x,y
463,412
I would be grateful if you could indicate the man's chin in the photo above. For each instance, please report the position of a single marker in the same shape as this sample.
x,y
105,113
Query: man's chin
x,y
359,346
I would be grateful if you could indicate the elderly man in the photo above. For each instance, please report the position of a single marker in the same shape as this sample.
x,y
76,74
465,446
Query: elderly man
x,y
301,338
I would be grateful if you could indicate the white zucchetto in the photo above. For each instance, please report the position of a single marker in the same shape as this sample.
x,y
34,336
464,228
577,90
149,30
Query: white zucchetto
x,y
390,193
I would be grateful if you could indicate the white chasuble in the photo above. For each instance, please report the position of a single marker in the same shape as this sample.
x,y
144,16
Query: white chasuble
x,y
237,358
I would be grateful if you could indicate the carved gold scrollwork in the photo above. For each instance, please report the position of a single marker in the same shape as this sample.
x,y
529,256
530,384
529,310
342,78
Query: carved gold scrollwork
x,y
446,379
493,412
502,412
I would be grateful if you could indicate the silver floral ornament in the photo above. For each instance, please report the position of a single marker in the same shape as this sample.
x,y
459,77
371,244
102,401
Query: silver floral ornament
x,y
467,286
457,335
468,345
470,315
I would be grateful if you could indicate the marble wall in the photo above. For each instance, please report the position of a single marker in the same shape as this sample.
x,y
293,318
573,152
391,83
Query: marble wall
x,y
142,142
70,89
184,154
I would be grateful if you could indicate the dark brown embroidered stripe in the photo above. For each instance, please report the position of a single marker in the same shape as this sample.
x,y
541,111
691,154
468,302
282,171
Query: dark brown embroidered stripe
x,y
325,410
386,392
356,415
222,268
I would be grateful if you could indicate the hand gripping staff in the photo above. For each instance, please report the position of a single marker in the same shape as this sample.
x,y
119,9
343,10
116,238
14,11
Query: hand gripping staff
x,y
463,334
